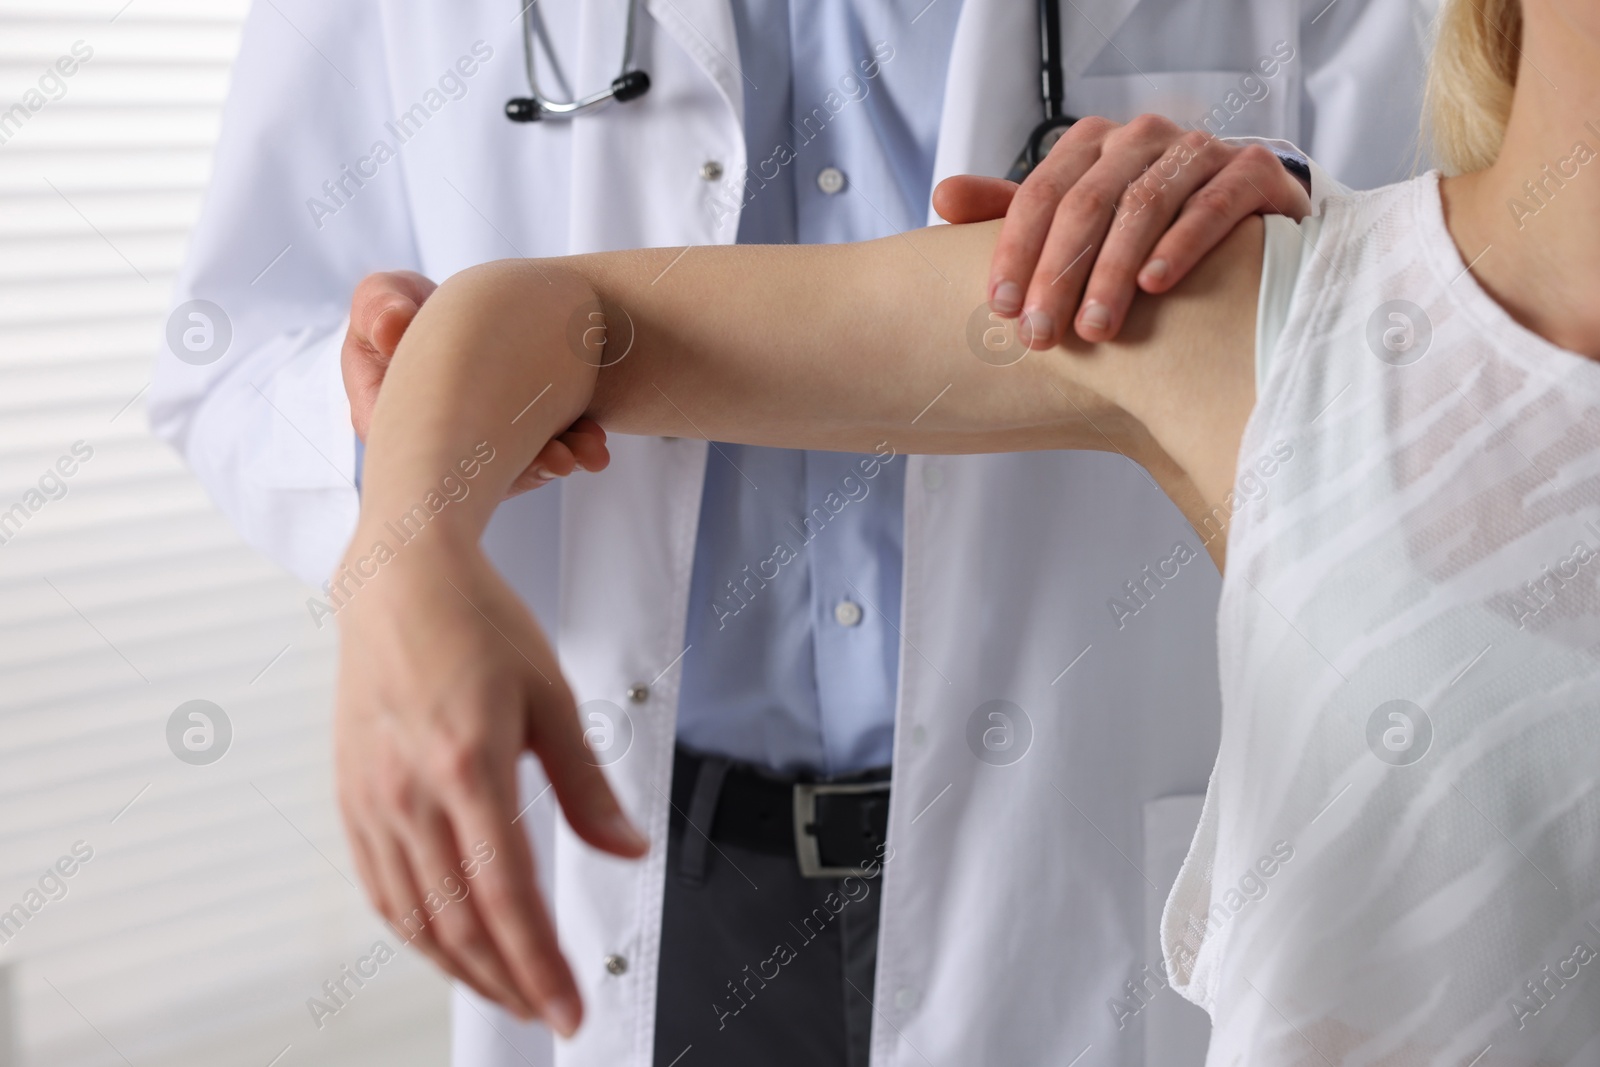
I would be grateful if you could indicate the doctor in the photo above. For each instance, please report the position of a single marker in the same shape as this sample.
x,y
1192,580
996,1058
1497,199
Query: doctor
x,y
1000,693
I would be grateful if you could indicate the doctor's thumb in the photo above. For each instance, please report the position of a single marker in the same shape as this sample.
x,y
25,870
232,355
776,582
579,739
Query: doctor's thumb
x,y
973,198
391,325
383,306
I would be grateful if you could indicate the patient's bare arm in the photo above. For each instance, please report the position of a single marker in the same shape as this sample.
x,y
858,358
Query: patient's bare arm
x,y
822,347
444,676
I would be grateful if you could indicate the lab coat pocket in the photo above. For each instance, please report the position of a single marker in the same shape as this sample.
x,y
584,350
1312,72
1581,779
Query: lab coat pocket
x,y
1225,103
1176,1032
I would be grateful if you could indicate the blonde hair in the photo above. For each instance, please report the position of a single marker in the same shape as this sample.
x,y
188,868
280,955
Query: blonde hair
x,y
1471,81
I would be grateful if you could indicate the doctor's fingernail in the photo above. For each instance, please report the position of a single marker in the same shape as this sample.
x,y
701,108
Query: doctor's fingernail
x,y
544,474
1006,299
383,316
1155,270
1037,328
1095,316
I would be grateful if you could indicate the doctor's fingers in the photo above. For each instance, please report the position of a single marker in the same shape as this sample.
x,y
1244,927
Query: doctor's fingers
x,y
1081,220
446,923
380,312
1253,182
582,446
1191,171
973,198
384,304
1028,224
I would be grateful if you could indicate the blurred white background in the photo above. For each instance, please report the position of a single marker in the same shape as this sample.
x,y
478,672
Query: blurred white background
x,y
219,897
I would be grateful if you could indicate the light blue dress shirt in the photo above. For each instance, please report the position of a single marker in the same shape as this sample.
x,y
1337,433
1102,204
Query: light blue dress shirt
x,y
794,605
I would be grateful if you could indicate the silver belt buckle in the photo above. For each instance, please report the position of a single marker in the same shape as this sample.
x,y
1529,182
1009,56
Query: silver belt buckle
x,y
806,849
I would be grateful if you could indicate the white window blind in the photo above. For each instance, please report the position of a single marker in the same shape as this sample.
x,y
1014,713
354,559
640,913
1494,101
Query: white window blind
x,y
215,898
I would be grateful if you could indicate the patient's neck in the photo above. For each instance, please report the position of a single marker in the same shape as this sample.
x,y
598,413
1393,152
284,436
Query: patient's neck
x,y
1534,216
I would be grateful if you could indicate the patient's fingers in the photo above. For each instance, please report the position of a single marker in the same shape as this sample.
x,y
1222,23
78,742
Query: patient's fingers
x,y
394,886
482,809
448,910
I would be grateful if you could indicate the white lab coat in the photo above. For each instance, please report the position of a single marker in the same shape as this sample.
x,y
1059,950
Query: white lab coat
x,y
1022,899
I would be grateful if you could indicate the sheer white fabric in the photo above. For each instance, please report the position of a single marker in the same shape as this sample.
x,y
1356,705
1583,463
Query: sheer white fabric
x,y
1399,856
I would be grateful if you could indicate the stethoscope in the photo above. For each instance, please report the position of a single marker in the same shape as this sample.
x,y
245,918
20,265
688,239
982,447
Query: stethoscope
x,y
1052,84
628,85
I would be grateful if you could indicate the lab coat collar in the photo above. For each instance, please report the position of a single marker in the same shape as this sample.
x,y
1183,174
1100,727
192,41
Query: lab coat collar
x,y
705,30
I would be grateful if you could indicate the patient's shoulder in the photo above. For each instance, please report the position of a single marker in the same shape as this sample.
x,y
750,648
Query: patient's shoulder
x,y
1189,363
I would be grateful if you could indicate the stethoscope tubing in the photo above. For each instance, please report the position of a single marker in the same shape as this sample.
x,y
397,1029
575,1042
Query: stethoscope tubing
x,y
627,85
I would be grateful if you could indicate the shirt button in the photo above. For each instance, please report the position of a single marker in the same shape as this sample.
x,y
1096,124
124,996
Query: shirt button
x,y
905,999
847,613
711,170
830,180
617,964
638,692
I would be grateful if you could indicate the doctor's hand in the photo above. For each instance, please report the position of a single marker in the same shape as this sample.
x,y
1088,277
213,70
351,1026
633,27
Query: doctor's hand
x,y
1110,210
383,306
444,680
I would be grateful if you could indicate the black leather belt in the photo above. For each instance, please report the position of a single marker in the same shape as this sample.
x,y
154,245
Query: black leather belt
x,y
833,827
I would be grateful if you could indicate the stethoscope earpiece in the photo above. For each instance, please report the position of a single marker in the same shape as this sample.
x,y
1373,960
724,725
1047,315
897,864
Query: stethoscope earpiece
x,y
629,85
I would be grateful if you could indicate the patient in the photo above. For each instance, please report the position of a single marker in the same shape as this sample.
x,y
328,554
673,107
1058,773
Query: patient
x,y
1385,423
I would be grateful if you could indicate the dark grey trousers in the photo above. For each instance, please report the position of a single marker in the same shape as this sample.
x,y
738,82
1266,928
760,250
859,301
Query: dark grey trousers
x,y
762,966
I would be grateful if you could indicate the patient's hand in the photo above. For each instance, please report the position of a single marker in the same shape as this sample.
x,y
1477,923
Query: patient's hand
x,y
1111,210
444,680
383,306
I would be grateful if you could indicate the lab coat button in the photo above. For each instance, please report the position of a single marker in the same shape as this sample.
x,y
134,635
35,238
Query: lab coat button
x,y
847,613
830,180
617,964
711,170
905,999
638,692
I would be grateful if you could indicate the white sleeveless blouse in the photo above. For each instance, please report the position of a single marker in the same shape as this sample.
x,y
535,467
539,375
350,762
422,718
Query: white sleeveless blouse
x,y
1399,856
